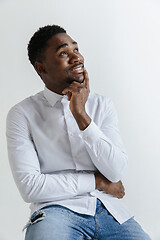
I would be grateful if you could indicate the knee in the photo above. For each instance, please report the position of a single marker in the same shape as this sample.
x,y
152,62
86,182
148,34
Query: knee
x,y
49,224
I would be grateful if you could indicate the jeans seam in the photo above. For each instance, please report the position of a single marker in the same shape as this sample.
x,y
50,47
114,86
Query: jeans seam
x,y
96,228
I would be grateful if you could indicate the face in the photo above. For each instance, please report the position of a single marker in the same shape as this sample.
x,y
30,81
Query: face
x,y
62,63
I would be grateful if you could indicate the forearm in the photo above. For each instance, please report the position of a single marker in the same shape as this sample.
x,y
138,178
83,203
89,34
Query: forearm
x,y
82,119
109,159
37,187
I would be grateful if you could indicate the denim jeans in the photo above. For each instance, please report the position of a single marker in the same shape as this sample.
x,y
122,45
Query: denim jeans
x,y
56,222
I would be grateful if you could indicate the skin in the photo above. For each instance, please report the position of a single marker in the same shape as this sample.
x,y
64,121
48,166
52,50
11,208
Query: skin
x,y
62,71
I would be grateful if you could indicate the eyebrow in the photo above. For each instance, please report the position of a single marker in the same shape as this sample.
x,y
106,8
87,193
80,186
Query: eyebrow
x,y
64,45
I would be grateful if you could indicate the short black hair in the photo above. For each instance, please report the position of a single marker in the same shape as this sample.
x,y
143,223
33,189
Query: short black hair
x,y
38,42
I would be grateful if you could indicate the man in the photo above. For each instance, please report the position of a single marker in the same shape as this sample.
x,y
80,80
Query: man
x,y
65,150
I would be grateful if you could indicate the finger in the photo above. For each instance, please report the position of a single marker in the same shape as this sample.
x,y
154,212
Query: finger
x,y
69,95
121,194
76,84
86,78
69,89
122,187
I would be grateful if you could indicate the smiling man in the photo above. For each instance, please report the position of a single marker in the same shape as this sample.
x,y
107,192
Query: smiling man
x,y
65,151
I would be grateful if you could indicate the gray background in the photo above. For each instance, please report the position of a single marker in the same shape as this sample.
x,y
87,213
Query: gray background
x,y
120,41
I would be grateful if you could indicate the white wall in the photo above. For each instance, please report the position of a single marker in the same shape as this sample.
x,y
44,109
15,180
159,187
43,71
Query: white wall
x,y
120,40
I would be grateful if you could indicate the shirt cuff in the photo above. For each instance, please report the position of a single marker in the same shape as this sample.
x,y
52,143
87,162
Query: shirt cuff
x,y
86,182
92,134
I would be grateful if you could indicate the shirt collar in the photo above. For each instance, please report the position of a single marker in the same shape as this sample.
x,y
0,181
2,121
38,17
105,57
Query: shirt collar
x,y
52,97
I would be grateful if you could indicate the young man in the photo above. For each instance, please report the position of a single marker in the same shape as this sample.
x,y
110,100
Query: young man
x,y
65,150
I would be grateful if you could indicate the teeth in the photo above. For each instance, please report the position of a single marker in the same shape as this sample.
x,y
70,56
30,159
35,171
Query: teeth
x,y
78,68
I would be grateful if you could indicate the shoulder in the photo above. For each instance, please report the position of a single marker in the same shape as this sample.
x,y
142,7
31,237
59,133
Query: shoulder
x,y
102,107
25,105
99,100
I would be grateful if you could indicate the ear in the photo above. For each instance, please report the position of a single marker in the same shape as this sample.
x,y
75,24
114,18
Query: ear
x,y
40,68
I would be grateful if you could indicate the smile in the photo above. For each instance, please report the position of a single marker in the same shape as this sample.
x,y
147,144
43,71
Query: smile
x,y
77,69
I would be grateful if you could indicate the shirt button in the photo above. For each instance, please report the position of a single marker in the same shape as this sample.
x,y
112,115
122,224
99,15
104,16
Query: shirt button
x,y
67,112
85,138
71,134
98,157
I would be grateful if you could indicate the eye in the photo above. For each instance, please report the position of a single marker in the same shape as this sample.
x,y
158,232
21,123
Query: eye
x,y
63,53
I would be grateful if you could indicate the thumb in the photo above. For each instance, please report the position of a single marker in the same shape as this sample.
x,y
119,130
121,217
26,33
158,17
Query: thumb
x,y
69,95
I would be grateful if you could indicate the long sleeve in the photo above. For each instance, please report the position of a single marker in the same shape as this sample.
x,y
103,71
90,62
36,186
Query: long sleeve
x,y
33,185
105,146
53,162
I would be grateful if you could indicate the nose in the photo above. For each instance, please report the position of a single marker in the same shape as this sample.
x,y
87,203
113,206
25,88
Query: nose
x,y
75,58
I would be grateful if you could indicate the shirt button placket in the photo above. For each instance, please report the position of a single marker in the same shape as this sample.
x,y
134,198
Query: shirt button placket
x,y
71,128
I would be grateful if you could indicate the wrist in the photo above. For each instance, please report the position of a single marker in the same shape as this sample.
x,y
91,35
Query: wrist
x,y
82,119
98,181
79,112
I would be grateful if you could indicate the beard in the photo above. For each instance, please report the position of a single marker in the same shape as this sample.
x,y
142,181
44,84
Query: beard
x,y
75,77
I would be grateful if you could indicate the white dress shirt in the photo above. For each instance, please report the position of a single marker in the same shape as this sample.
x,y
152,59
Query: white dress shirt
x,y
53,161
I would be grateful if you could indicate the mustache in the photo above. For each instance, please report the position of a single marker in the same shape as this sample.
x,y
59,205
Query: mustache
x,y
76,64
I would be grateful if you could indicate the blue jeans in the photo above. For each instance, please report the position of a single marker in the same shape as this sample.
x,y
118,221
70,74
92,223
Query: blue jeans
x,y
56,222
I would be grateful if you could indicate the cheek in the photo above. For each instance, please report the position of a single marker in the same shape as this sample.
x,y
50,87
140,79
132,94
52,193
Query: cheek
x,y
61,64
60,70
56,68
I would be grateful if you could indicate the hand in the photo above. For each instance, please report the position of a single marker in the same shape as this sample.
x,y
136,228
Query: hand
x,y
77,95
115,189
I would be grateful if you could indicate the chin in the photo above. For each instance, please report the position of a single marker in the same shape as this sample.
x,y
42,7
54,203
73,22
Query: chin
x,y
79,79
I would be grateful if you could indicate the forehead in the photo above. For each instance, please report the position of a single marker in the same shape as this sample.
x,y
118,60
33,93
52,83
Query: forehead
x,y
60,39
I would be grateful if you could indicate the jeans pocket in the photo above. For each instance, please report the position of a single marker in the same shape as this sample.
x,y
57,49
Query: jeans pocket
x,y
36,217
